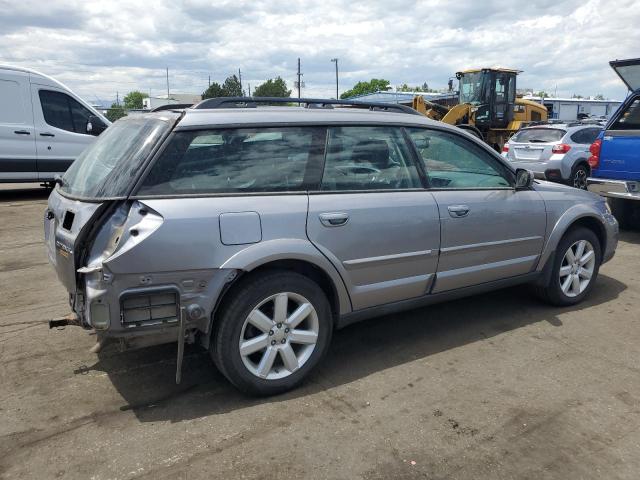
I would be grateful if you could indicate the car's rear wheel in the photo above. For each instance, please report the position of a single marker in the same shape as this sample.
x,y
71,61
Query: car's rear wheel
x,y
575,268
272,331
579,176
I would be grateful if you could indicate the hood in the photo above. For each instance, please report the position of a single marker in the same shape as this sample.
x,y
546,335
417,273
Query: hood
x,y
566,191
628,71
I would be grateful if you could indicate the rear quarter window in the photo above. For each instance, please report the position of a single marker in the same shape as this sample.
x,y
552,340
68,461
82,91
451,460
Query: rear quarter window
x,y
278,159
585,136
539,135
629,119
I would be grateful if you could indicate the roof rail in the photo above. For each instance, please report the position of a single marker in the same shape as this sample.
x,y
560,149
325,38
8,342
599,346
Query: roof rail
x,y
252,102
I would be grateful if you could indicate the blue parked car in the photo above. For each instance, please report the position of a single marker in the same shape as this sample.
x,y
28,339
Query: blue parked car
x,y
615,154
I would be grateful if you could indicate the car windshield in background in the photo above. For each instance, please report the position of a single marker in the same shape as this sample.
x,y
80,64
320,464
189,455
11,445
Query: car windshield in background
x,y
539,135
105,169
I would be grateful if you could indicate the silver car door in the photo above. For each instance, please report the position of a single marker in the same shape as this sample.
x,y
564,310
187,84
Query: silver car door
x,y
372,218
490,231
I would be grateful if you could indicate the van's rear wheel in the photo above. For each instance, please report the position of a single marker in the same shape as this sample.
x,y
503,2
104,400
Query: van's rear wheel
x,y
272,331
575,268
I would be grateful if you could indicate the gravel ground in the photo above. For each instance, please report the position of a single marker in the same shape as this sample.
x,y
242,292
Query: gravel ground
x,y
496,386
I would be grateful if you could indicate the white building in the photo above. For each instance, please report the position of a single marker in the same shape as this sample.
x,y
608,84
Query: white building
x,y
574,108
175,98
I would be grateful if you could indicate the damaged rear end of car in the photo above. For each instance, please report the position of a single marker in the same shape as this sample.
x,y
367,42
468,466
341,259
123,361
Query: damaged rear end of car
x,y
91,224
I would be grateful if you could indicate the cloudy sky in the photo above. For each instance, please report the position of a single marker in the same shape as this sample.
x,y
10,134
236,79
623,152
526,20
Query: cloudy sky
x,y
103,47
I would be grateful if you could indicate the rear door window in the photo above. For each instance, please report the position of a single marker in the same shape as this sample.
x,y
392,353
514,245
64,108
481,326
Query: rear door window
x,y
629,119
539,135
368,158
585,136
278,159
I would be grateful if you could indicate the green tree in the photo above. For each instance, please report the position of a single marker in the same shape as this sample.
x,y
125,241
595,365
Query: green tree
x,y
115,112
231,87
272,88
372,86
576,95
599,96
133,100
213,91
541,93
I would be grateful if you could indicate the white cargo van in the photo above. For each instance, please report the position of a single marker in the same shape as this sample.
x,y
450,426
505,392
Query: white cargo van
x,y
44,126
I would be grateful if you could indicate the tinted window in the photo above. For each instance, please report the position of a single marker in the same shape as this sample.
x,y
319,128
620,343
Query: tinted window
x,y
586,136
539,135
629,119
368,158
454,162
62,111
237,160
55,108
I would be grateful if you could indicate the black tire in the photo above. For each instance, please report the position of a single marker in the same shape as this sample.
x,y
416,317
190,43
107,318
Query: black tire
x,y
623,210
224,348
552,292
579,175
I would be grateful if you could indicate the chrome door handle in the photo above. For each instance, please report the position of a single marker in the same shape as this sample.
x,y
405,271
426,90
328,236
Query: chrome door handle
x,y
336,219
457,211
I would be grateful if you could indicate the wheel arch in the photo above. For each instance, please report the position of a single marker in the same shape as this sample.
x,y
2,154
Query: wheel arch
x,y
572,219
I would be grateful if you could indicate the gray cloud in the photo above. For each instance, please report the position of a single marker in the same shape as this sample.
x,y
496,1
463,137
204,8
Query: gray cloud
x,y
100,48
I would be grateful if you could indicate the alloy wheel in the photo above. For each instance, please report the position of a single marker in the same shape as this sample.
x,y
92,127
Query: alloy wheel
x,y
279,335
580,179
577,268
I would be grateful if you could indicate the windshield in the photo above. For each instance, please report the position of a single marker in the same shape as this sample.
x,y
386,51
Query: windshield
x,y
474,88
539,135
106,168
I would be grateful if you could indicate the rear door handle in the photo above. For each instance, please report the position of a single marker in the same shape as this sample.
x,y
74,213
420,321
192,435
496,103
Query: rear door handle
x,y
22,132
334,219
457,211
47,134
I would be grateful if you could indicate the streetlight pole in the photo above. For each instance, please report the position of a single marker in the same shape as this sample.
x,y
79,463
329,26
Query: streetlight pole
x,y
335,60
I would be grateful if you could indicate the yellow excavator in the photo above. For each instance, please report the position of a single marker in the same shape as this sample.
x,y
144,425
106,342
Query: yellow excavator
x,y
487,107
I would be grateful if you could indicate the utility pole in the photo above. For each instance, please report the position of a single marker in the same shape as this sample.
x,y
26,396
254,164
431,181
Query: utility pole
x,y
299,80
167,83
249,89
117,99
209,80
240,80
335,60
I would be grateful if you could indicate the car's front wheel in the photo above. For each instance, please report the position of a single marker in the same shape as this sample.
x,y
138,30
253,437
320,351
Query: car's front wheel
x,y
575,268
272,331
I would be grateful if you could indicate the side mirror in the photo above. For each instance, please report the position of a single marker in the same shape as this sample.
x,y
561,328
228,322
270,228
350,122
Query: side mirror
x,y
524,179
95,126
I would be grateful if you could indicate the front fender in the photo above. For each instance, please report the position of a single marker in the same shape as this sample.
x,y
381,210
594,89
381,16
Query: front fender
x,y
562,225
262,253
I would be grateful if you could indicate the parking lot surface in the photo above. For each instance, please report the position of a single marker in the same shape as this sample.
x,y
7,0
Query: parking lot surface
x,y
497,386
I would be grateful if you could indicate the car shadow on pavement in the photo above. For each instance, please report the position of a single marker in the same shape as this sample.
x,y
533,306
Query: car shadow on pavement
x,y
630,236
145,378
9,193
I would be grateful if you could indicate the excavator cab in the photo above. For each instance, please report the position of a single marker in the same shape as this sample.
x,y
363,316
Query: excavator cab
x,y
491,92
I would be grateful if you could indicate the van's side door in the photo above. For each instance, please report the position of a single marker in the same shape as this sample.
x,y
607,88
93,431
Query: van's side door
x,y
372,217
490,231
61,129
17,136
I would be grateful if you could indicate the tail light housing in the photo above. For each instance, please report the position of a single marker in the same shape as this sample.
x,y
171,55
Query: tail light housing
x,y
561,148
594,149
505,149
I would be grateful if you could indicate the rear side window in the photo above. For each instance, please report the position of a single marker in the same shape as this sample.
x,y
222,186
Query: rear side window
x,y
368,158
63,112
629,119
585,136
278,159
539,135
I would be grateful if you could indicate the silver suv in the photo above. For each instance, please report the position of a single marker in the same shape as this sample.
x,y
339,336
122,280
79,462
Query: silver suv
x,y
557,152
256,232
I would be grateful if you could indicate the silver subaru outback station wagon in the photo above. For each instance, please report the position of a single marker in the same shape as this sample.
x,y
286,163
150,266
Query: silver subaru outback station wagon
x,y
256,231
